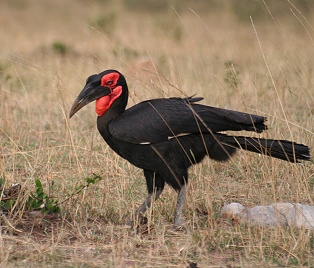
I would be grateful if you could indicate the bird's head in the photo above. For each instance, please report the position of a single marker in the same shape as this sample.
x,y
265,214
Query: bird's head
x,y
106,88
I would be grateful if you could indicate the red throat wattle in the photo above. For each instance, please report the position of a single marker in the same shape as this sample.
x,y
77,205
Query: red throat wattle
x,y
104,103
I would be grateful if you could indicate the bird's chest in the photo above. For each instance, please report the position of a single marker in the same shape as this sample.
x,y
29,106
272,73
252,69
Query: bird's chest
x,y
136,154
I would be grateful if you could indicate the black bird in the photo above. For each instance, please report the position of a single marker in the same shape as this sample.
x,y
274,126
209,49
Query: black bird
x,y
164,137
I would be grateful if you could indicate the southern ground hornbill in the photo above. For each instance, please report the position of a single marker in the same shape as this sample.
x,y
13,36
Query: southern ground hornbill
x,y
164,137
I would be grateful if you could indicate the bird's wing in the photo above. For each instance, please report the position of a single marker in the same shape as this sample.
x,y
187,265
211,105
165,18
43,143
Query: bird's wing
x,y
159,120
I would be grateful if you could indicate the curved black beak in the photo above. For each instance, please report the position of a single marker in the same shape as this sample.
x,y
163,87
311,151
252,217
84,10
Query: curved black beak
x,y
92,91
78,104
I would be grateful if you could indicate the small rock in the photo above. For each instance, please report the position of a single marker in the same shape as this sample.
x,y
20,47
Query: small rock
x,y
291,214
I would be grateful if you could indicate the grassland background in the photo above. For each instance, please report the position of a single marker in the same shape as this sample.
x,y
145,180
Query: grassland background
x,y
165,48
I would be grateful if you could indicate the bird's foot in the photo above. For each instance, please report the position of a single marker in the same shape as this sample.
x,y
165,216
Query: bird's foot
x,y
136,220
129,222
139,224
179,225
179,228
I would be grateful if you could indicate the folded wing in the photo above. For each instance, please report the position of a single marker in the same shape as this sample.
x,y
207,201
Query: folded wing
x,y
162,119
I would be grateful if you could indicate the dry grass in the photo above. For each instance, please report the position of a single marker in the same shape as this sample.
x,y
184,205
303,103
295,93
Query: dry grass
x,y
48,50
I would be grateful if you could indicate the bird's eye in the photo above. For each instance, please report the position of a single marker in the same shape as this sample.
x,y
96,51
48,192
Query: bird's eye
x,y
109,82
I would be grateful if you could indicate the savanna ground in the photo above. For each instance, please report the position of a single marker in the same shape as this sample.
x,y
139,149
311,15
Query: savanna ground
x,y
263,64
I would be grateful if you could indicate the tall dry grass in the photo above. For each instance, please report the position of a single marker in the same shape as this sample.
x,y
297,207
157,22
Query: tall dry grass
x,y
261,66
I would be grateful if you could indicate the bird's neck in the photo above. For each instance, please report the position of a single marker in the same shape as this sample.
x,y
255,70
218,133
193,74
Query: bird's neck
x,y
116,109
106,118
103,125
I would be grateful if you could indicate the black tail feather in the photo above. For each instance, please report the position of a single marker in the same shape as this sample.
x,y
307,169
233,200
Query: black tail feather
x,y
281,149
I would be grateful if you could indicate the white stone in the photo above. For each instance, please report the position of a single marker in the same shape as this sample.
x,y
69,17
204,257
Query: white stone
x,y
292,214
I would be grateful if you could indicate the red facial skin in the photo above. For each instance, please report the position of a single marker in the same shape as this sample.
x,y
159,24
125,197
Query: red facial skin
x,y
103,104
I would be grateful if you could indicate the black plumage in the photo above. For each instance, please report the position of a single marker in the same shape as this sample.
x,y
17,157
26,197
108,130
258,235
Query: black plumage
x,y
161,119
164,137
